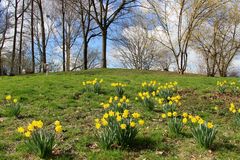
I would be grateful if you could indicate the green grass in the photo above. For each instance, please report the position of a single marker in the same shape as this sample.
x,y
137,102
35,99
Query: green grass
x,y
59,96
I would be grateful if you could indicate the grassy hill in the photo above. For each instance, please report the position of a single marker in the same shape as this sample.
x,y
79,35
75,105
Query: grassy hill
x,y
59,96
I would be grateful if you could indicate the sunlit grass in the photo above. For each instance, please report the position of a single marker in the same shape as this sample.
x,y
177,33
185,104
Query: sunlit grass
x,y
61,96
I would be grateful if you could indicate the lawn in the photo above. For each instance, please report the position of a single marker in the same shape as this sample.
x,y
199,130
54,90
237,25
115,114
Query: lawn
x,y
60,96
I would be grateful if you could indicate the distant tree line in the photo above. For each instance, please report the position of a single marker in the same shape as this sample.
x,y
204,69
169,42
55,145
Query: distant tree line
x,y
41,35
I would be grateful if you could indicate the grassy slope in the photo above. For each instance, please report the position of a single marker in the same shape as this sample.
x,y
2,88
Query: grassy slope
x,y
54,97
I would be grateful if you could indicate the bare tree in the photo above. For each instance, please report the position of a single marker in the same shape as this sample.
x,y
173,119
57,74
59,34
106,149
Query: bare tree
x,y
32,36
176,22
4,26
105,13
218,39
43,45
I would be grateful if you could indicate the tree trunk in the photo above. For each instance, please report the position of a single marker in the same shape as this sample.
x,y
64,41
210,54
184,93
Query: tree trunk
x,y
32,37
63,33
14,39
44,56
104,48
68,48
20,41
85,53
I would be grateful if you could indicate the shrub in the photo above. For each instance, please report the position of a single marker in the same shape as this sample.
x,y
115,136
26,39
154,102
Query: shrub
x,y
10,107
118,128
119,88
93,86
40,140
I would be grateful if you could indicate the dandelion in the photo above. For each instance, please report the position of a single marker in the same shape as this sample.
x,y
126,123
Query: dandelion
x,y
57,123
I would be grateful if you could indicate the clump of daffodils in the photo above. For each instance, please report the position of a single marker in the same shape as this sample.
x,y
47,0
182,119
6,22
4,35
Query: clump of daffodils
x,y
167,90
236,111
222,86
149,86
93,85
170,104
40,140
234,88
119,88
175,122
115,128
231,86
203,132
116,104
10,107
147,99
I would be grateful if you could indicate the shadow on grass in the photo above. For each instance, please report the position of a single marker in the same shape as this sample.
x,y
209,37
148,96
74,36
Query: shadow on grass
x,y
225,146
143,143
63,156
